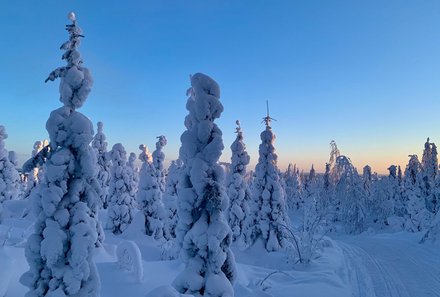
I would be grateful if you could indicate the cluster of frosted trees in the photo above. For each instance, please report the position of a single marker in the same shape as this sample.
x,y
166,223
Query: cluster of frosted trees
x,y
193,203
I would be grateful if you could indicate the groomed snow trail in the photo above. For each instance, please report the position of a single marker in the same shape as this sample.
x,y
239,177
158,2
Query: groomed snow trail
x,y
391,265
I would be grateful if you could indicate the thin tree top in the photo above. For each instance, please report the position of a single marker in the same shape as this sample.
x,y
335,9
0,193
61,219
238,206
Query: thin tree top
x,y
76,81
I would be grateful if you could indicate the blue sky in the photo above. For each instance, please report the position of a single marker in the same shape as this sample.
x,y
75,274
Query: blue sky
x,y
364,73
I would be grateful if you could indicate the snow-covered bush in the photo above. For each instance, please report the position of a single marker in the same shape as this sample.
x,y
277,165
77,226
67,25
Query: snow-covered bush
x,y
202,232
238,190
121,203
60,252
99,143
268,207
130,259
149,196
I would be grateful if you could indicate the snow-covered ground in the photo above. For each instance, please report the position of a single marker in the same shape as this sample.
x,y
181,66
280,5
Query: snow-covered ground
x,y
367,265
394,265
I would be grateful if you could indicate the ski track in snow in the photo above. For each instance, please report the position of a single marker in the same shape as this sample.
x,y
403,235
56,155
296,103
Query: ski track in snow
x,y
386,266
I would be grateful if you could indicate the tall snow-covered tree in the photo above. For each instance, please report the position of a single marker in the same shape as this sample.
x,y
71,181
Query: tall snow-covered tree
x,y
268,196
134,173
419,217
349,196
238,190
429,174
170,198
60,252
203,232
149,196
293,188
158,159
121,202
367,179
395,192
99,143
9,178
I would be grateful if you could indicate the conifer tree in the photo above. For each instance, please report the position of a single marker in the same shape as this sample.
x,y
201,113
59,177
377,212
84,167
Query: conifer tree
x,y
121,203
9,178
99,143
158,159
238,190
268,195
202,232
170,198
60,252
149,196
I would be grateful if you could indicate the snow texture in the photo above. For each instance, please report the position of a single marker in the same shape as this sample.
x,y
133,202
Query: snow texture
x,y
60,251
202,232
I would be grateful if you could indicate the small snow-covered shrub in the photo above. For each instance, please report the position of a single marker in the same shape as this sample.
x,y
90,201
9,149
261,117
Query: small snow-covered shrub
x,y
130,259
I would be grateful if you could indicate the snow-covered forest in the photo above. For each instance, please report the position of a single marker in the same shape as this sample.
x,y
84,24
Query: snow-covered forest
x,y
82,218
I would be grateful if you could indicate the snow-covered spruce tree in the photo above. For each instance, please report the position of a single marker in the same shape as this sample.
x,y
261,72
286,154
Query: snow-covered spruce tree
x,y
121,203
349,196
32,178
99,143
429,174
149,196
366,177
394,192
202,231
60,251
134,173
268,196
314,215
419,217
158,159
9,178
293,188
170,198
238,190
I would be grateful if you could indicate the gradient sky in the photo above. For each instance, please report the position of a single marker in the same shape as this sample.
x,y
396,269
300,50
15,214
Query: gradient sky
x,y
364,73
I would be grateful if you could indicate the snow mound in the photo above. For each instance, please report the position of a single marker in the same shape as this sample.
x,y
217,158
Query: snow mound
x,y
129,258
165,291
